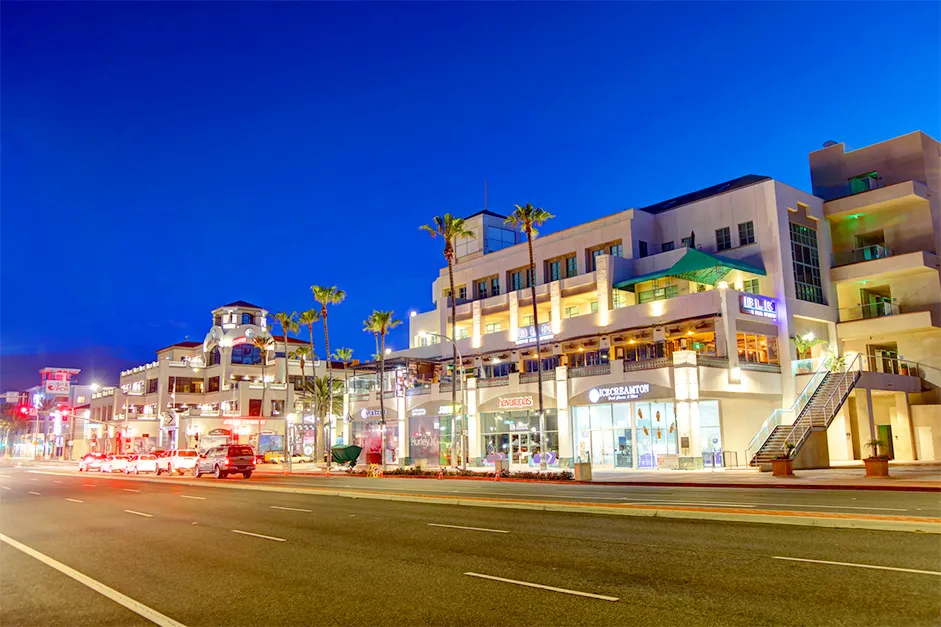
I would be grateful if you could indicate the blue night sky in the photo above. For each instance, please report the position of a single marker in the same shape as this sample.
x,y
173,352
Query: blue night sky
x,y
161,159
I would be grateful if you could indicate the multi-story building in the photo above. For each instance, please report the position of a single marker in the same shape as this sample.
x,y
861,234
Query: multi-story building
x,y
222,389
668,331
54,410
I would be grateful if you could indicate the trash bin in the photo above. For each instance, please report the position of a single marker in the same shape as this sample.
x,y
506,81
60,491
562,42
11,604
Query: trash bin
x,y
583,471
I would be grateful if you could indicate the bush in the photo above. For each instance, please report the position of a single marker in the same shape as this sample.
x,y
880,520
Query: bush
x,y
411,471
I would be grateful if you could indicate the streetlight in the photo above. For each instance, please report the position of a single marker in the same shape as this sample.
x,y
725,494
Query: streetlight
x,y
464,393
289,421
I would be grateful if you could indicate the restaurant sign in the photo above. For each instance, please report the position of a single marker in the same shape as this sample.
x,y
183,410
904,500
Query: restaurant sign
x,y
617,393
527,335
515,402
758,306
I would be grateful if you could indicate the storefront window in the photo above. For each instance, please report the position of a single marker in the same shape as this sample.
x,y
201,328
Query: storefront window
x,y
367,434
758,349
515,435
424,439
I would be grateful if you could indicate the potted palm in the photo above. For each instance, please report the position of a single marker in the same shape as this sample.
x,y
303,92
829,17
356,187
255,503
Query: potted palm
x,y
783,464
876,465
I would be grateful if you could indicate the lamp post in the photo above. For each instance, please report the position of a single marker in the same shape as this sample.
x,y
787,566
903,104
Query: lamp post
x,y
464,405
289,437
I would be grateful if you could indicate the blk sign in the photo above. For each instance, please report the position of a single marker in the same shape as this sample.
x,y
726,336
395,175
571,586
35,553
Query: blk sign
x,y
527,335
617,393
758,306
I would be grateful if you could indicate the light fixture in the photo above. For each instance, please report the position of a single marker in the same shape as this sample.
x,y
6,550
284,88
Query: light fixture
x,y
632,341
690,332
95,387
581,349
388,351
412,314
723,285
809,336
495,360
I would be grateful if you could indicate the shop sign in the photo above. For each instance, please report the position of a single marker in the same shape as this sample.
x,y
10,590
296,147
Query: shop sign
x,y
56,388
239,341
369,413
515,402
447,410
244,421
758,306
527,335
418,412
220,432
616,393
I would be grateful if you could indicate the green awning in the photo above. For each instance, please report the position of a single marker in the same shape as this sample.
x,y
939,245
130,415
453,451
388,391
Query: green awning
x,y
697,266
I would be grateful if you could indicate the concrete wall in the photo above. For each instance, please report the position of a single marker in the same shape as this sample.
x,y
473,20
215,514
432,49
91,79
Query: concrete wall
x,y
926,422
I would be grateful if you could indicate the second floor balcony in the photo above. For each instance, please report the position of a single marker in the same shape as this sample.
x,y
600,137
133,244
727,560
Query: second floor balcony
x,y
859,255
868,311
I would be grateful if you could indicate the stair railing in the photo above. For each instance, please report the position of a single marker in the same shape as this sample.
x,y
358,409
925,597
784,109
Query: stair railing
x,y
779,416
821,414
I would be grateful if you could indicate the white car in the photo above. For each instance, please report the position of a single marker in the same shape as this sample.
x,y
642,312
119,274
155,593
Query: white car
x,y
145,462
177,462
114,463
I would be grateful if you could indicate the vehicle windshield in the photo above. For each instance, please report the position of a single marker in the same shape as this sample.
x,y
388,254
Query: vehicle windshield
x,y
186,453
239,450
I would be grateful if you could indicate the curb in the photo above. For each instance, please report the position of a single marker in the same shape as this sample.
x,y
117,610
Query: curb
x,y
831,520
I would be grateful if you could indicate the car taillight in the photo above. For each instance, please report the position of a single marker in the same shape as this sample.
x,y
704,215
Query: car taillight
x,y
227,461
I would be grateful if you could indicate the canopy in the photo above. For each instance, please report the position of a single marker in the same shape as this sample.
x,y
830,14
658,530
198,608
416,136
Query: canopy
x,y
346,454
697,266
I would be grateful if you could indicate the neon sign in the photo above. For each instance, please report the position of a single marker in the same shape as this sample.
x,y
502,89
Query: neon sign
x,y
527,335
619,392
516,402
758,306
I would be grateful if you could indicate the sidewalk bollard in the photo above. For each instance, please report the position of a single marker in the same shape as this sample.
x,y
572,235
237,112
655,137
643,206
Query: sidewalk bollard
x,y
440,474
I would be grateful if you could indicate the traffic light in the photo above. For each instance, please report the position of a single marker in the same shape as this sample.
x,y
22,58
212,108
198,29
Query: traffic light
x,y
24,410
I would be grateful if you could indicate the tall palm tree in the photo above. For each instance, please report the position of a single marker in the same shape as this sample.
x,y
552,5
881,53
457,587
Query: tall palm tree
x,y
450,228
264,343
288,322
308,318
301,353
526,218
327,296
380,323
344,355
44,408
324,398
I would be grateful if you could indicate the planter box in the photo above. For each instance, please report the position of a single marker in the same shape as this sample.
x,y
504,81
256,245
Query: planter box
x,y
583,471
876,467
782,467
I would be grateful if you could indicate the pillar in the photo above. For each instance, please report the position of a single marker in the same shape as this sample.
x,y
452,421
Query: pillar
x,y
475,331
686,393
514,315
473,420
603,285
727,326
564,418
902,432
402,423
839,438
555,303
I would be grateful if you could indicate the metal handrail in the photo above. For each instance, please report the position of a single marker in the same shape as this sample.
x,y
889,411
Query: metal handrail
x,y
874,310
804,427
775,419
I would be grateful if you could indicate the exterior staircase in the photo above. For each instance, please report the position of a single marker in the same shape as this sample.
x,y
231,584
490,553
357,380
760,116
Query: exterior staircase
x,y
815,409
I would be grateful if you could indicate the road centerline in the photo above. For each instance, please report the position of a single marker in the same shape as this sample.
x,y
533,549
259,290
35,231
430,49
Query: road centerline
x,y
468,528
529,584
74,501
291,509
258,535
131,511
36,493
121,599
197,498
870,566
130,490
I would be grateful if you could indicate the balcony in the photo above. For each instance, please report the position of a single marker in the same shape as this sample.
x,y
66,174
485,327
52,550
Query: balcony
x,y
660,293
866,312
419,389
493,382
879,198
858,255
712,362
881,320
532,377
646,364
590,371
760,367
360,396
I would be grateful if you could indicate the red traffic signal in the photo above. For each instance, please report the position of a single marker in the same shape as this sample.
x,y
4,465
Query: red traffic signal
x,y
24,409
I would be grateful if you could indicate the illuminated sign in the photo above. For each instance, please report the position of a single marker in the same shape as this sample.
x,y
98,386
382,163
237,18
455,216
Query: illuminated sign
x,y
239,340
758,306
56,388
418,412
527,335
515,402
617,393
244,421
369,413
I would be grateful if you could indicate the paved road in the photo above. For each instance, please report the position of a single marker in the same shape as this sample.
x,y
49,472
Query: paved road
x,y
330,561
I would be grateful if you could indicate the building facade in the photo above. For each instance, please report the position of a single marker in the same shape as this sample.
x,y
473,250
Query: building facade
x,y
668,332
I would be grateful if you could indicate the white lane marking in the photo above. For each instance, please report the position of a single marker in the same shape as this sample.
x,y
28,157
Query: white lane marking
x,y
542,587
5,477
468,528
883,509
198,498
57,482
291,509
34,479
130,490
753,505
693,503
74,500
6,487
258,535
135,606
131,511
899,570
36,493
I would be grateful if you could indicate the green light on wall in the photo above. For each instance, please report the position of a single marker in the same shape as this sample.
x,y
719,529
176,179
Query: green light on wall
x,y
856,216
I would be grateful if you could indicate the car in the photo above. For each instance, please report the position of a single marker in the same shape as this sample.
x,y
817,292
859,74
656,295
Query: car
x,y
145,462
226,460
177,462
114,463
91,461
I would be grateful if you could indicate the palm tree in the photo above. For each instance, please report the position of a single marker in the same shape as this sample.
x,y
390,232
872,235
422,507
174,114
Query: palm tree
x,y
308,318
324,398
380,323
450,229
264,343
288,322
327,296
301,353
526,218
44,408
344,355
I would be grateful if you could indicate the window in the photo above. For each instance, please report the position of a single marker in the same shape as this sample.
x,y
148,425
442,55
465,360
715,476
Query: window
x,y
667,246
462,333
254,407
593,305
246,318
757,349
462,292
594,258
213,384
494,286
619,299
571,266
492,327
186,385
215,356
277,408
498,370
750,286
571,312
807,283
519,279
746,233
863,182
616,250
723,238
555,270
528,320
151,386
246,354
481,288
498,238
685,242
548,363
641,248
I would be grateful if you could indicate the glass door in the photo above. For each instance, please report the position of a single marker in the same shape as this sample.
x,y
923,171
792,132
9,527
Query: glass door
x,y
623,449
520,448
602,452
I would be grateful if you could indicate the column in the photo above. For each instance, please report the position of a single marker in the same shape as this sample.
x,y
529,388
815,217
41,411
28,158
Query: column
x,y
473,420
603,285
686,392
555,303
475,308
402,452
872,422
514,315
564,417
902,433
727,324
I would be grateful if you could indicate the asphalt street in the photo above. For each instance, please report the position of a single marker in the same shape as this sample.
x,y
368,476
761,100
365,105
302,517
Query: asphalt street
x,y
208,556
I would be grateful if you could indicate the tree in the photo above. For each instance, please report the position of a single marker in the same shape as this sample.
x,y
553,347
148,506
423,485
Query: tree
x,y
344,355
380,323
264,343
308,318
288,322
450,229
803,344
327,296
323,397
44,408
526,218
301,353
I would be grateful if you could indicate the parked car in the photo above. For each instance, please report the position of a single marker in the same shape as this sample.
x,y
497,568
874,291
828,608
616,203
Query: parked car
x,y
91,461
223,461
145,462
177,462
114,463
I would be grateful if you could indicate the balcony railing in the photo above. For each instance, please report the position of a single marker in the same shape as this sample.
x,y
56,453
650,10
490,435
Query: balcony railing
x,y
493,382
447,385
590,371
890,365
712,362
532,377
360,396
647,364
419,389
759,367
871,310
660,293
857,255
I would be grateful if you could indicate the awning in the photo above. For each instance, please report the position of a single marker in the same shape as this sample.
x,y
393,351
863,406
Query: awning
x,y
697,266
